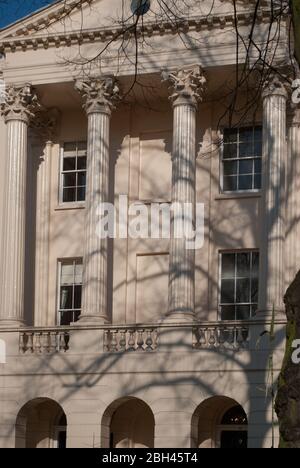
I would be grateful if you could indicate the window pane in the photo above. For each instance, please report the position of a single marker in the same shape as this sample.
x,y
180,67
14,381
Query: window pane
x,y
257,148
246,150
82,146
257,181
70,179
67,274
243,312
230,184
246,167
230,151
78,273
228,266
258,133
230,135
77,297
246,135
76,316
245,182
243,290
81,163
254,309
69,195
243,264
66,297
227,291
254,290
66,318
69,164
81,194
257,166
255,264
228,313
230,167
81,179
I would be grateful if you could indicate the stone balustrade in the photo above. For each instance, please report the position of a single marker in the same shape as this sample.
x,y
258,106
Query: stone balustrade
x,y
130,339
222,335
50,341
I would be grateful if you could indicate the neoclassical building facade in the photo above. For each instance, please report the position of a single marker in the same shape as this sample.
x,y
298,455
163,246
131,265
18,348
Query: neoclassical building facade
x,y
141,342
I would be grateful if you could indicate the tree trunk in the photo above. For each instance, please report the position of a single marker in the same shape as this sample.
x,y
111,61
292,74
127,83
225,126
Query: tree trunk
x,y
288,398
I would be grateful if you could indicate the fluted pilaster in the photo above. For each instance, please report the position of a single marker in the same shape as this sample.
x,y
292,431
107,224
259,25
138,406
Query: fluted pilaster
x,y
273,202
99,97
17,110
292,251
187,91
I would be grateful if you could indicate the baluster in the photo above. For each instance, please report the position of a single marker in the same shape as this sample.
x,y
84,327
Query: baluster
x,y
149,341
114,341
212,338
52,342
38,345
140,340
66,341
131,341
222,337
231,337
46,342
202,337
239,338
122,342
30,343
106,341
22,343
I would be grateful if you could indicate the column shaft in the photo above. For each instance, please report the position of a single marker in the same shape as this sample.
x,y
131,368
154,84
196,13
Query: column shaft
x,y
292,251
271,284
182,261
95,248
12,309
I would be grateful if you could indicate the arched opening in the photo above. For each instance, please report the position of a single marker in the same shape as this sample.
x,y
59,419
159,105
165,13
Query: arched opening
x,y
219,422
128,423
41,423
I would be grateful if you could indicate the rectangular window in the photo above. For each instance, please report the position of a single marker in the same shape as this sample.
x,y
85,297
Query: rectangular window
x,y
73,172
242,159
70,291
239,285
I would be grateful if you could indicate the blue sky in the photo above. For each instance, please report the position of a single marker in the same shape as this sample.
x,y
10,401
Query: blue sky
x,y
12,10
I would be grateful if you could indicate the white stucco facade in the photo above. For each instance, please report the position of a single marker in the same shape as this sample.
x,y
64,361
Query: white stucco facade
x,y
146,364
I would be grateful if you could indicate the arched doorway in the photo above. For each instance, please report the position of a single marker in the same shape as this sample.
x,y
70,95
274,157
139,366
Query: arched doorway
x,y
41,423
219,422
128,423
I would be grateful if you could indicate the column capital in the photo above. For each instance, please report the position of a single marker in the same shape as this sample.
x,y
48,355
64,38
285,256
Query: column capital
x,y
20,103
187,85
276,84
99,94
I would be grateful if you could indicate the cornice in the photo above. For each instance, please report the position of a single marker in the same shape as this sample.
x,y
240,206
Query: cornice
x,y
28,38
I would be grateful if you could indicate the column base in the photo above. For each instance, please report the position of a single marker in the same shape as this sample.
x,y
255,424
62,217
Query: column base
x,y
12,323
92,320
179,317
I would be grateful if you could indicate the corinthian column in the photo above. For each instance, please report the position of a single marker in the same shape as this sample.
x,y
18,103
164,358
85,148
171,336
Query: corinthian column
x,y
292,251
99,96
19,106
271,284
187,90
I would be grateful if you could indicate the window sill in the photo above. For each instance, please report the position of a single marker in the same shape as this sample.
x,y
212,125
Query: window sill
x,y
238,195
70,206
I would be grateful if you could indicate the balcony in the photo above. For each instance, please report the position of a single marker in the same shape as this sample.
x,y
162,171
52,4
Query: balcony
x,y
233,336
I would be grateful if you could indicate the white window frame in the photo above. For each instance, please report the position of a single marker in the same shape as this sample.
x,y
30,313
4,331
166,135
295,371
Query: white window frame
x,y
61,261
222,252
61,174
221,162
